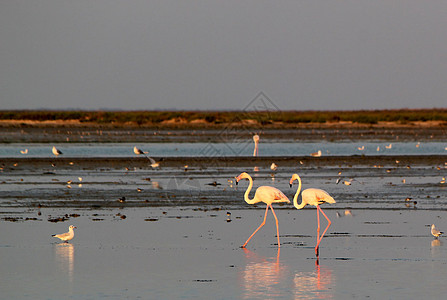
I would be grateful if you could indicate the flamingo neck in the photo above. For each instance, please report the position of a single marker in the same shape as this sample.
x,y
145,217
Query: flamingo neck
x,y
295,198
247,192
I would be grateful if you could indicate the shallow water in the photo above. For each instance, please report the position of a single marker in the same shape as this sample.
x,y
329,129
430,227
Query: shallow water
x,y
242,148
173,239
195,254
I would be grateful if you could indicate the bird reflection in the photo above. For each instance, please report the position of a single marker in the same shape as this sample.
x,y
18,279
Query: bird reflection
x,y
314,285
435,249
263,277
436,243
64,256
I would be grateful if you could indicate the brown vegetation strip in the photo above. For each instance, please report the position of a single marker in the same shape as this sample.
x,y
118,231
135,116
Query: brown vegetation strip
x,y
223,118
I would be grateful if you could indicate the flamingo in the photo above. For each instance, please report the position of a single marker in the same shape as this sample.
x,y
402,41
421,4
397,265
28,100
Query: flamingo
x,y
56,151
67,236
256,140
266,194
313,197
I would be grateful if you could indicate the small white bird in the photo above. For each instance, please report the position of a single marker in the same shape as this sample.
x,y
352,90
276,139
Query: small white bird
x,y
154,164
56,151
67,235
316,154
435,232
138,151
348,182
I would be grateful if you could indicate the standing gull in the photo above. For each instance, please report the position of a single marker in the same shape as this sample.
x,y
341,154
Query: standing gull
x,y
67,235
435,232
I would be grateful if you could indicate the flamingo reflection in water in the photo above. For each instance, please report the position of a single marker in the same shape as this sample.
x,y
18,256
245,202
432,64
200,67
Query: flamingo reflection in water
x,y
316,284
262,277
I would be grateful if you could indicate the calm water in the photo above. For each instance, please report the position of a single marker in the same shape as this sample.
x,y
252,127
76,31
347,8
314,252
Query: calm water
x,y
382,249
225,149
186,254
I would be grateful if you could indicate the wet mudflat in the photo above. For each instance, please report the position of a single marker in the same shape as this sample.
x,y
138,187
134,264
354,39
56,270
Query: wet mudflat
x,y
165,233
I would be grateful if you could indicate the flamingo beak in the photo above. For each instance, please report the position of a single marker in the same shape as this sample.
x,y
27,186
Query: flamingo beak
x,y
237,180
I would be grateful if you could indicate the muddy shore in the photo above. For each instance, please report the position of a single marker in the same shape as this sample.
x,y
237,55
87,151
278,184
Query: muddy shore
x,y
375,182
90,163
75,133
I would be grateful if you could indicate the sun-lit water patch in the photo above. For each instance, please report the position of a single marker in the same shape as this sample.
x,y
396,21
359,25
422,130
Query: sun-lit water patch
x,y
225,149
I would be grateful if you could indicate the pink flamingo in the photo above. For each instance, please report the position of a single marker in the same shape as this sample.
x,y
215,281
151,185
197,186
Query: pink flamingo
x,y
313,197
256,140
266,194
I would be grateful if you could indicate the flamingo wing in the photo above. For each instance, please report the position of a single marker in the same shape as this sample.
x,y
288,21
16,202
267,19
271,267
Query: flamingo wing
x,y
269,194
317,196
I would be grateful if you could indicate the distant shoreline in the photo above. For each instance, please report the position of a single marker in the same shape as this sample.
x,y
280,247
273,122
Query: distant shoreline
x,y
221,119
162,126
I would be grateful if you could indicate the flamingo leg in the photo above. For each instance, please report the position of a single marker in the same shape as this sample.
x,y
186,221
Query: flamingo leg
x,y
277,227
318,231
262,224
327,227
255,152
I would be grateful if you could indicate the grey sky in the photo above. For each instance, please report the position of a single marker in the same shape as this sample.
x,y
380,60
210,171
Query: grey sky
x,y
128,54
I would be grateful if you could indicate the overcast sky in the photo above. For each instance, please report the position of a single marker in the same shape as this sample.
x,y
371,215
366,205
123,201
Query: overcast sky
x,y
142,54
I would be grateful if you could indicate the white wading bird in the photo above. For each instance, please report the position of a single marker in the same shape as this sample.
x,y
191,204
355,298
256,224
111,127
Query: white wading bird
x,y
256,140
266,194
313,197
